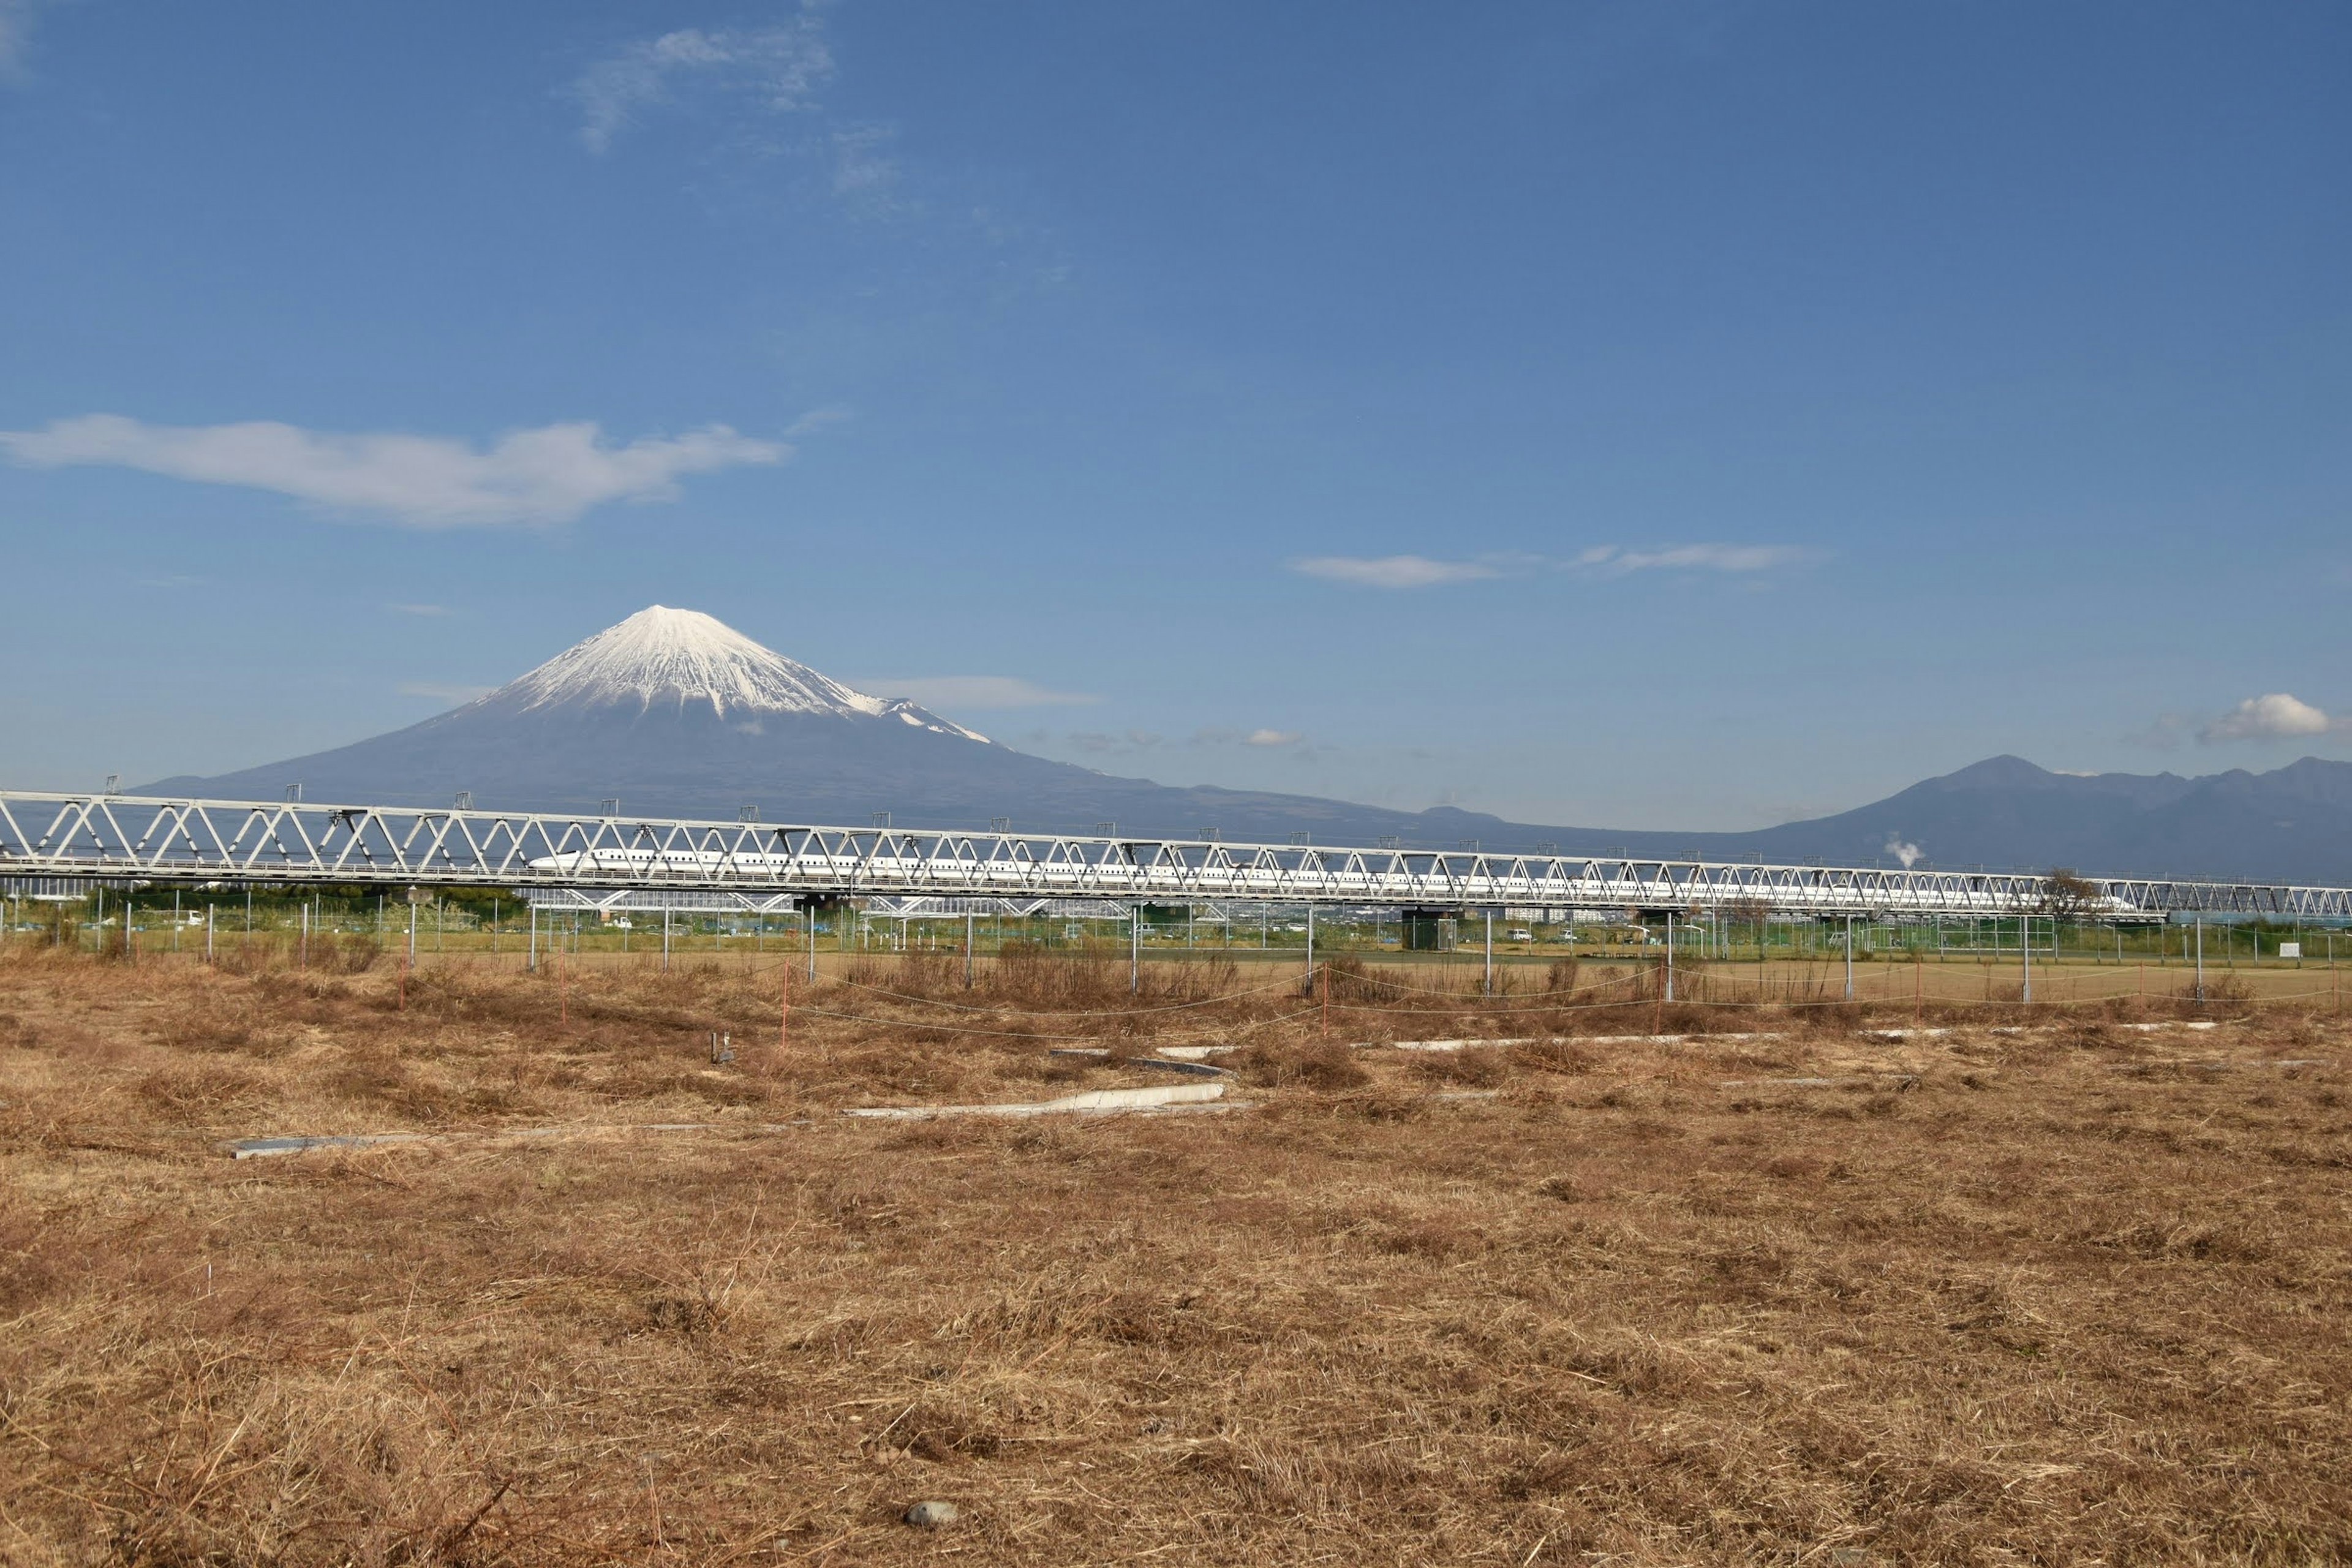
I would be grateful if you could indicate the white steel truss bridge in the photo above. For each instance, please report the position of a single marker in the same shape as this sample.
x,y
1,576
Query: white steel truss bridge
x,y
171,842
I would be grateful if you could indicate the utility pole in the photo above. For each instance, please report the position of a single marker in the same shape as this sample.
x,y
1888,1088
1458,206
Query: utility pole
x,y
1134,947
1670,954
2201,958
2025,952
411,928
1489,980
1849,958
664,939
967,950
1310,944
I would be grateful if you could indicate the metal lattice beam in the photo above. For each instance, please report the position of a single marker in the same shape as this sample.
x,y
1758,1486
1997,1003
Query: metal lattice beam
x,y
258,843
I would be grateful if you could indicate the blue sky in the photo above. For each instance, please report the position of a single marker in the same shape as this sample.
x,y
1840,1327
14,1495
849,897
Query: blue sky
x,y
1636,414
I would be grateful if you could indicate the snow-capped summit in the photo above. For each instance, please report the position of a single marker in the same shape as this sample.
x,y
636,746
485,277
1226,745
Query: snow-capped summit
x,y
680,660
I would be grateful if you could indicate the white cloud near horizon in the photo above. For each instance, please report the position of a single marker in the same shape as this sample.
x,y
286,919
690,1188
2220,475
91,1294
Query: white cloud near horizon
x,y
974,692
778,68
2274,716
1391,570
1271,738
548,475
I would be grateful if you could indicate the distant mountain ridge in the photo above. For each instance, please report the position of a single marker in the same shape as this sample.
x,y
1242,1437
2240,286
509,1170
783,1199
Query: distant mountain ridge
x,y
676,713
2291,825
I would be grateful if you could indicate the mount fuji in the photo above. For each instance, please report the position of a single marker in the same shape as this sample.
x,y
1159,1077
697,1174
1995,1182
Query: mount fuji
x,y
674,713
677,714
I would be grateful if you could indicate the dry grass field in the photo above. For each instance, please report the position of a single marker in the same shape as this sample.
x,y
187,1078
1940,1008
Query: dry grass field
x,y
2074,1293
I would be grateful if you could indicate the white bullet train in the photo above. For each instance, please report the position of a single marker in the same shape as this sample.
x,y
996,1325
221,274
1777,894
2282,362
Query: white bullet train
x,y
1352,877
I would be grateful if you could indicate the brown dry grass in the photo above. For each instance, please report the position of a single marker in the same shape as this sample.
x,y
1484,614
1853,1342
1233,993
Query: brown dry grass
x,y
2072,1295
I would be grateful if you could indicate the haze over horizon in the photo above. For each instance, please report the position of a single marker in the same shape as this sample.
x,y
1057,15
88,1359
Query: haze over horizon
x,y
1678,419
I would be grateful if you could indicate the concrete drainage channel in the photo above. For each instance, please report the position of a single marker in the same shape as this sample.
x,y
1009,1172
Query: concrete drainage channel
x,y
265,1148
1164,1100
1172,1096
1189,1063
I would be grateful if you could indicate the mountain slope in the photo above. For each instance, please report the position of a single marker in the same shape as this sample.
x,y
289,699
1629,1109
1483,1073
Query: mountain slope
x,y
676,714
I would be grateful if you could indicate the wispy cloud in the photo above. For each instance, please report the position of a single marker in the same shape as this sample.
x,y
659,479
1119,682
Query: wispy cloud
x,y
432,612
972,692
549,475
863,171
1290,743
442,693
1099,744
1690,558
2274,716
777,69
816,419
1607,560
1391,570
16,18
